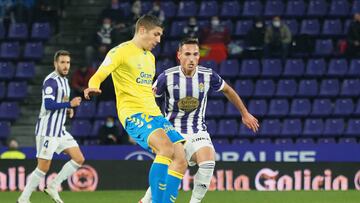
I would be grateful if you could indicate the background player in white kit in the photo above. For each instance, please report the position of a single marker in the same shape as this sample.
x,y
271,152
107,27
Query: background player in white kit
x,y
185,89
51,135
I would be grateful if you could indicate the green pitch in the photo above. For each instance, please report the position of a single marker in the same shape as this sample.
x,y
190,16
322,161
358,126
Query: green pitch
x,y
184,197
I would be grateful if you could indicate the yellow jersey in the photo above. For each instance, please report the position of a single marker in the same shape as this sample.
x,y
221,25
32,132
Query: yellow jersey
x,y
132,70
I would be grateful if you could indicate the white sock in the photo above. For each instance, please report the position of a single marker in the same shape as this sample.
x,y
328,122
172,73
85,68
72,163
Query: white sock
x,y
147,197
67,170
202,180
32,184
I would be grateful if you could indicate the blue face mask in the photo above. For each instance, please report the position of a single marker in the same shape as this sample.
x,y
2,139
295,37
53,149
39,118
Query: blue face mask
x,y
109,124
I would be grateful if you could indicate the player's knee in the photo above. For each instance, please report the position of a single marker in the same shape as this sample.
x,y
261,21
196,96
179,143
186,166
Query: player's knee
x,y
181,164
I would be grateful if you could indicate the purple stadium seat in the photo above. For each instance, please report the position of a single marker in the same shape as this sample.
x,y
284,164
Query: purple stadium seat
x,y
300,107
215,108
187,9
278,107
321,107
258,107
106,108
218,141
308,88
313,127
293,26
228,127
357,109
252,8
274,8
270,127
295,8
271,67
230,9
228,24
354,69
81,128
291,127
5,129
10,50
343,107
208,8
18,31
286,88
294,68
326,141
329,87
125,8
305,141
25,70
96,126
170,48
334,127
332,27
264,88
315,67
177,28
238,141
9,111
353,127
283,141
262,141
211,125
250,68
7,71
33,50
229,68
347,140
203,23
310,27
337,67
350,87
40,31
323,47
146,6
317,8
164,64
245,88
86,110
16,90
2,90
242,27
355,7
231,110
246,132
169,8
339,8
210,64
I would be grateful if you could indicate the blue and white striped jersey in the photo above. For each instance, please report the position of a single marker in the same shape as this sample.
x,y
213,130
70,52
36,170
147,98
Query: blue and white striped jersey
x,y
51,122
186,97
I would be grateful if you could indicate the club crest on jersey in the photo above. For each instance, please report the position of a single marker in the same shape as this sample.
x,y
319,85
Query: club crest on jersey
x,y
201,87
188,104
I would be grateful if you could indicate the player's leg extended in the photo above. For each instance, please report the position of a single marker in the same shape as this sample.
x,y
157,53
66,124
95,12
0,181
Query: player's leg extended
x,y
175,173
205,159
34,179
164,150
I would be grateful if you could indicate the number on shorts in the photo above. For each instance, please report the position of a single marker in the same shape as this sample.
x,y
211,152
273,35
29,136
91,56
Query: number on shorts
x,y
46,143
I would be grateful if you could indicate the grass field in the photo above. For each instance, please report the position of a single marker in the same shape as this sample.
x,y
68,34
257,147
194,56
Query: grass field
x,y
212,197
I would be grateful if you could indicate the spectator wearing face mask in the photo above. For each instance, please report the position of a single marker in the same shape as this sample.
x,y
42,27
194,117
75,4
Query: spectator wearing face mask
x,y
353,37
255,36
277,38
157,11
13,151
191,30
110,133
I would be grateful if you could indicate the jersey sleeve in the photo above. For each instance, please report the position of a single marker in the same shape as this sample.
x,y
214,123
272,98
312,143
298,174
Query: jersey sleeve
x,y
160,85
216,82
113,59
50,88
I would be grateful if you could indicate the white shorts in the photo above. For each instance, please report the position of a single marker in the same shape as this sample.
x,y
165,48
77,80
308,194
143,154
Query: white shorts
x,y
194,142
46,146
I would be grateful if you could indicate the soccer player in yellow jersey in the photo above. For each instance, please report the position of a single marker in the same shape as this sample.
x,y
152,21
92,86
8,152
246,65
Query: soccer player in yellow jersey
x,y
132,67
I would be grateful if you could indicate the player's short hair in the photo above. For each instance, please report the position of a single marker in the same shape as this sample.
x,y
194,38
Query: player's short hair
x,y
188,40
61,53
149,22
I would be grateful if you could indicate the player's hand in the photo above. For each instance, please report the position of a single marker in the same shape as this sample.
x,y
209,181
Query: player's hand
x,y
70,112
154,90
75,102
251,122
89,92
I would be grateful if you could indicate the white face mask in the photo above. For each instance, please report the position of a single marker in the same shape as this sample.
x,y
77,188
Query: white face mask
x,y
106,26
109,124
215,22
276,23
259,25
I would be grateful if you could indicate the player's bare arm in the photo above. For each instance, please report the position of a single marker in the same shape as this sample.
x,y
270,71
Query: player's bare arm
x,y
248,120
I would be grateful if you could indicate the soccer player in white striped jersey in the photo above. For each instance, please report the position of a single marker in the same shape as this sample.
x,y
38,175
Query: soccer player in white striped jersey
x,y
185,89
51,135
